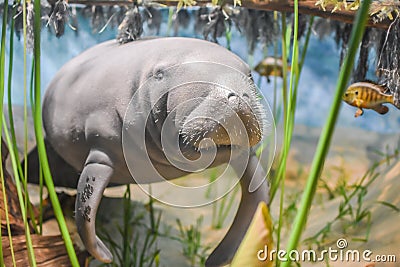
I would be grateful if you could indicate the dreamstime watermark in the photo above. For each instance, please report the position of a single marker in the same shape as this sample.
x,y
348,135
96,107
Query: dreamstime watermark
x,y
338,254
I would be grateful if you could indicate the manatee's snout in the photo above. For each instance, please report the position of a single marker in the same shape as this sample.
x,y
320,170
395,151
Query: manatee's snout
x,y
228,121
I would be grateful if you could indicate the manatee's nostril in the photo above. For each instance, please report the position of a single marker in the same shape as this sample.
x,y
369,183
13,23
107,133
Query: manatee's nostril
x,y
231,95
245,95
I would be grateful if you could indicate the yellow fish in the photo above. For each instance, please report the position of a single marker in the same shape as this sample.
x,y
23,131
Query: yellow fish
x,y
271,66
367,95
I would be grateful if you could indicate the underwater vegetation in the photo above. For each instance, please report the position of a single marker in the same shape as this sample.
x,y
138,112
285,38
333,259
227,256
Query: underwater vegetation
x,y
280,224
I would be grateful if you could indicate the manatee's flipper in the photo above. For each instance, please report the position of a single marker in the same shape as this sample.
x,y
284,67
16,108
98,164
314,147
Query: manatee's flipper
x,y
225,251
63,174
381,109
359,112
93,180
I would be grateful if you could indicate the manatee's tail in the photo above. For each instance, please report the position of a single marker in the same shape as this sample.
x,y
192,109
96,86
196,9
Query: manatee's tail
x,y
63,174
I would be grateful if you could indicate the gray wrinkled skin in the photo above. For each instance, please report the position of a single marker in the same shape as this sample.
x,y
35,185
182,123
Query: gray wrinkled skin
x,y
83,112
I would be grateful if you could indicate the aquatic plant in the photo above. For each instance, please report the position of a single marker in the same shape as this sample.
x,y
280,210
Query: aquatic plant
x,y
132,252
40,141
352,212
22,200
326,135
190,238
222,207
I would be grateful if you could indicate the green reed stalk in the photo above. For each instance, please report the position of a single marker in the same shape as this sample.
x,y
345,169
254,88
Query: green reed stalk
x,y
327,132
10,111
25,171
290,109
274,112
14,162
288,132
282,160
38,228
3,188
169,23
10,75
41,146
2,83
3,57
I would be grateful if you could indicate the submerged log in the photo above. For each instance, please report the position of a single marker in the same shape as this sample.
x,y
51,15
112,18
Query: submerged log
x,y
49,251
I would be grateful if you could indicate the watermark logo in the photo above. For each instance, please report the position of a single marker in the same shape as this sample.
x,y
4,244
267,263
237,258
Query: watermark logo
x,y
190,117
341,243
338,254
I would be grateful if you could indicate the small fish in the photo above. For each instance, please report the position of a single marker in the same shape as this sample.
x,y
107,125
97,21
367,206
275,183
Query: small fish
x,y
368,95
271,66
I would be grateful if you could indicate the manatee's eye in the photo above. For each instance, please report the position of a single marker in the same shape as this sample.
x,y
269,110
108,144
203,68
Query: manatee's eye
x,y
356,92
346,94
159,74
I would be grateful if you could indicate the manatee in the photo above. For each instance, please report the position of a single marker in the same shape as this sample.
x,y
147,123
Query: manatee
x,y
109,105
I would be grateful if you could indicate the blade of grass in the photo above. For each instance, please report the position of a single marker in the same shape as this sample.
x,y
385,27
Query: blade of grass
x,y
3,57
25,149
41,146
326,135
7,217
274,112
10,75
7,221
288,130
2,84
29,246
31,89
289,115
170,18
282,161
10,110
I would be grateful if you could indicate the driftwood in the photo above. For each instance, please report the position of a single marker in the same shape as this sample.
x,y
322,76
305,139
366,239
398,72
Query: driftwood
x,y
49,251
14,212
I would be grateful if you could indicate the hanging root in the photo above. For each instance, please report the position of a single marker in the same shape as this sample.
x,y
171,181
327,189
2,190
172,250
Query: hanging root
x,y
388,64
201,20
98,18
30,17
131,27
343,35
153,18
59,16
181,19
268,28
216,26
360,71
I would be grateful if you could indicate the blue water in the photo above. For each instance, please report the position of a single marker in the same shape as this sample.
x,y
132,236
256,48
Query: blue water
x,y
316,89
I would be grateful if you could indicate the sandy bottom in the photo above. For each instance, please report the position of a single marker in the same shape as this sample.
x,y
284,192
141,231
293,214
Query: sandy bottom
x,y
352,154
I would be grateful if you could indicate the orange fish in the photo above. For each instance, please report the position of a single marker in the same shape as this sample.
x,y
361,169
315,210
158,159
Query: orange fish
x,y
368,95
271,66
